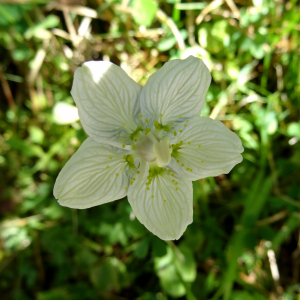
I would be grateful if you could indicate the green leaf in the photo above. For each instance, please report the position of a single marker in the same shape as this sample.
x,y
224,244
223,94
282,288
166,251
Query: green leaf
x,y
144,11
293,130
51,21
105,277
185,264
10,14
168,276
36,134
159,247
142,248
25,147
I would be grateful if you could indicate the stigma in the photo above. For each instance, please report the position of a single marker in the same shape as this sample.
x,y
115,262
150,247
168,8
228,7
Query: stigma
x,y
154,149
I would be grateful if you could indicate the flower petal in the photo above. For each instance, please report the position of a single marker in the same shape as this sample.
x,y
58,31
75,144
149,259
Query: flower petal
x,y
165,209
94,175
208,148
177,90
106,99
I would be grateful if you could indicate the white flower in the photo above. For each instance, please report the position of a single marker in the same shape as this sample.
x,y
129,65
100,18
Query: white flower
x,y
147,143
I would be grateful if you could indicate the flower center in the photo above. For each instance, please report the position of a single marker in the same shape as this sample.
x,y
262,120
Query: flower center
x,y
153,149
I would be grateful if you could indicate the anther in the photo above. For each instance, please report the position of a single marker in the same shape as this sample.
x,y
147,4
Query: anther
x,y
189,143
110,157
117,174
107,167
141,115
123,146
124,124
133,147
126,188
175,133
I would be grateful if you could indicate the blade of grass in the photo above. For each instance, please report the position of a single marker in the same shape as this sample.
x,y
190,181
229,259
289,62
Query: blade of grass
x,y
254,203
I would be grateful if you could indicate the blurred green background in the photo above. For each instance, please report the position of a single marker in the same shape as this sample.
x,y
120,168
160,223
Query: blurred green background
x,y
244,242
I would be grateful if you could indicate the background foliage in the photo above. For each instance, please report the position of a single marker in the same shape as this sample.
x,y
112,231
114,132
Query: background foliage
x,y
48,252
